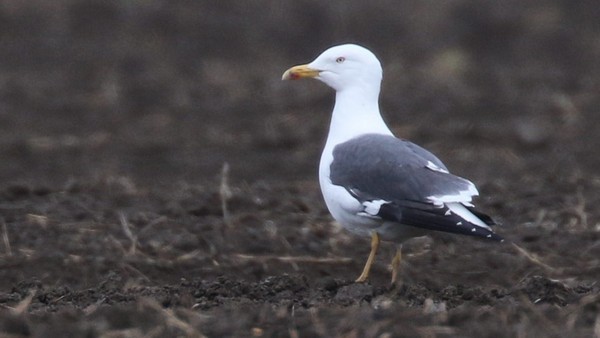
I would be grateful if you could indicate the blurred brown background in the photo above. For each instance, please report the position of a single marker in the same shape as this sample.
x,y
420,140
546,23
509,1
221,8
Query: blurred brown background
x,y
161,91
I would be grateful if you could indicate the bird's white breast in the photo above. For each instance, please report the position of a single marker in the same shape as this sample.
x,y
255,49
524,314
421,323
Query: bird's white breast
x,y
343,207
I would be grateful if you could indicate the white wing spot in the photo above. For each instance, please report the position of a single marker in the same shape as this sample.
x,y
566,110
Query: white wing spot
x,y
463,196
489,236
430,165
364,214
372,207
473,230
448,212
435,202
459,223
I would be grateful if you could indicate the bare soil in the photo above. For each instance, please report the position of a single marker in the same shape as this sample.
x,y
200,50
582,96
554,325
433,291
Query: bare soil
x,y
157,179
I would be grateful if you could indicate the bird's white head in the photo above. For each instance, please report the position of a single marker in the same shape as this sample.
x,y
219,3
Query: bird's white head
x,y
341,67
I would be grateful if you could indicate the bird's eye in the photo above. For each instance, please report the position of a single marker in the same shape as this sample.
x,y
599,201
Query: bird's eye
x,y
340,59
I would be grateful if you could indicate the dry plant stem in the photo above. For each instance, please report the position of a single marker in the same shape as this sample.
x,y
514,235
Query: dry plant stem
x,y
128,233
374,247
597,327
24,304
172,320
225,193
396,264
435,331
293,259
579,209
532,258
5,239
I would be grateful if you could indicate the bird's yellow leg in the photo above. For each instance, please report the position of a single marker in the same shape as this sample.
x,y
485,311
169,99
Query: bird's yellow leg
x,y
396,264
374,246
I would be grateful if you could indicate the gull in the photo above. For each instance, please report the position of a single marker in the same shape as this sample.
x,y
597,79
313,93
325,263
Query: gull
x,y
373,183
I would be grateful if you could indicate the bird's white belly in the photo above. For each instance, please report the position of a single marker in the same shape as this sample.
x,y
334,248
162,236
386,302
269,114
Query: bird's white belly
x,y
345,208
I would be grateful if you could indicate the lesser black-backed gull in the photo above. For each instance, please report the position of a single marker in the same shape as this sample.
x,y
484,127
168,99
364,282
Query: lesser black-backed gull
x,y
373,183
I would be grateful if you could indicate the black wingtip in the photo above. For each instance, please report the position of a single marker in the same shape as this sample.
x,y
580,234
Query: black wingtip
x,y
494,237
467,228
436,219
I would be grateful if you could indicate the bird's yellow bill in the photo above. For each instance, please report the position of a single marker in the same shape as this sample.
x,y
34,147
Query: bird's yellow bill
x,y
300,72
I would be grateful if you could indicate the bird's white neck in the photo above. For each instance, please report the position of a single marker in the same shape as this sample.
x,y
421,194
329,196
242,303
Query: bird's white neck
x,y
356,112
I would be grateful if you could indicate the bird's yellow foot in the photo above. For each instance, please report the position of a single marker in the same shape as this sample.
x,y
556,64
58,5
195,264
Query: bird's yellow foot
x,y
374,246
396,264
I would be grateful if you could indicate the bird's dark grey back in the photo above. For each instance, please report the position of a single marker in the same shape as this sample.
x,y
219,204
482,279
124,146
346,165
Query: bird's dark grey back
x,y
385,167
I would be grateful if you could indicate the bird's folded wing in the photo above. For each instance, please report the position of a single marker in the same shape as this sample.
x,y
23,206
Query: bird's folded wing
x,y
438,219
398,181
384,167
